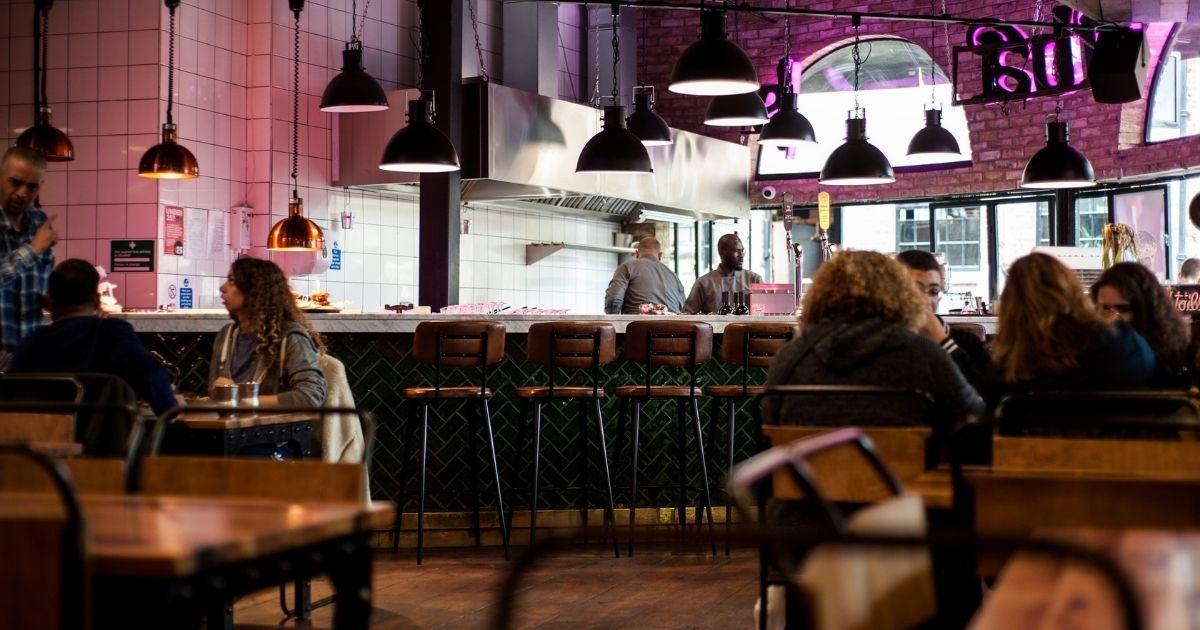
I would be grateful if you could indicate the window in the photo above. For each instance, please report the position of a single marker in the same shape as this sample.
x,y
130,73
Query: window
x,y
912,228
958,230
895,86
1175,103
1091,215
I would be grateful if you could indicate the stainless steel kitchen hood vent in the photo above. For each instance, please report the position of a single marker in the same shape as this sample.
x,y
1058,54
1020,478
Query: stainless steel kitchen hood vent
x,y
519,150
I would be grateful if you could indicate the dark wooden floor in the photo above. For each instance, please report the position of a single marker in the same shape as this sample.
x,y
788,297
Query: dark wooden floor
x,y
579,588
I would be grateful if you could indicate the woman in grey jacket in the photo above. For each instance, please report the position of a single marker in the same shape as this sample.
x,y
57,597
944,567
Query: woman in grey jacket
x,y
270,341
859,328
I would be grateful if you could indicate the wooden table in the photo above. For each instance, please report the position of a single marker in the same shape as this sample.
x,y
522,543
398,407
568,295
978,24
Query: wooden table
x,y
163,562
210,433
1040,592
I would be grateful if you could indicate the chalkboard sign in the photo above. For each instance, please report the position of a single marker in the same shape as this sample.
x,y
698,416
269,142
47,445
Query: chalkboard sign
x,y
1186,297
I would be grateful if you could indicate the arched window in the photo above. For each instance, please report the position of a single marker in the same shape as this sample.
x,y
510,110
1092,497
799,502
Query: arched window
x,y
1175,102
894,86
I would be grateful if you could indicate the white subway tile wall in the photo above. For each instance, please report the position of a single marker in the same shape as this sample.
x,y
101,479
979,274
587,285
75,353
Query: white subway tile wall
x,y
107,78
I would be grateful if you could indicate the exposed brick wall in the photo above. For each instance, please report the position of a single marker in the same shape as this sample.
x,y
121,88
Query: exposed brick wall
x,y
1110,135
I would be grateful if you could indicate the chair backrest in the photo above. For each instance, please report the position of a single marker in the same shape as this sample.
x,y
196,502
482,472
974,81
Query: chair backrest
x,y
979,330
89,475
572,346
460,344
29,424
293,480
49,388
668,343
43,578
1116,410
842,476
754,345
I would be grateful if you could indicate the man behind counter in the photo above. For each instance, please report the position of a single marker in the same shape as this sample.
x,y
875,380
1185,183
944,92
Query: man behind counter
x,y
643,280
728,276
26,257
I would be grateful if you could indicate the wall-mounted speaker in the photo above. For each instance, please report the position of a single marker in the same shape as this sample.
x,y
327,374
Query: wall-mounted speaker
x,y
1117,69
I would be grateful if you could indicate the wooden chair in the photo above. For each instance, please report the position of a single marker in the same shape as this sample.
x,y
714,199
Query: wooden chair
x,y
453,344
43,576
25,421
674,344
90,475
573,346
746,345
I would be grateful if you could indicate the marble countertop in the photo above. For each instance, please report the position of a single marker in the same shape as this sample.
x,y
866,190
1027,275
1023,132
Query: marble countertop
x,y
211,321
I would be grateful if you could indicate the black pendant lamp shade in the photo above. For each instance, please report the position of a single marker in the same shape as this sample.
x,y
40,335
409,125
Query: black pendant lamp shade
x,y
736,110
933,139
419,147
645,123
615,150
788,127
353,89
1058,164
169,159
45,137
296,233
857,162
713,65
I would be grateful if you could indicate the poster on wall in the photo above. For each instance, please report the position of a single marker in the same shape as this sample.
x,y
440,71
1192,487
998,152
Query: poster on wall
x,y
196,227
218,224
131,255
173,233
1145,212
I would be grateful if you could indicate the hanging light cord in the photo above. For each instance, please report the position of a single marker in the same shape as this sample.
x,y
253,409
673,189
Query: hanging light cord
x,y
478,47
787,51
418,42
296,105
859,60
171,63
356,36
38,60
596,71
616,45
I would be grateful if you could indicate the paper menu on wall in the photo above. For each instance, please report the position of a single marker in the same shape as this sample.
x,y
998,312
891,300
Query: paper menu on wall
x,y
218,222
196,227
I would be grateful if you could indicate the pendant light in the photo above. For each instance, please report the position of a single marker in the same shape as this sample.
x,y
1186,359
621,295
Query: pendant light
x,y
644,122
43,135
933,140
169,159
353,89
615,150
788,128
1058,164
419,147
736,110
857,162
296,233
713,65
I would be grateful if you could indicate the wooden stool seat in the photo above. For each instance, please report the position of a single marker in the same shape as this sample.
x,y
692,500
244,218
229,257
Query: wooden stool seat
x,y
447,392
734,391
580,347
560,391
463,345
659,391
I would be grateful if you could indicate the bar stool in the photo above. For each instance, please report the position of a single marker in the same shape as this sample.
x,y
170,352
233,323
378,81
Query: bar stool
x,y
569,346
748,345
678,344
453,344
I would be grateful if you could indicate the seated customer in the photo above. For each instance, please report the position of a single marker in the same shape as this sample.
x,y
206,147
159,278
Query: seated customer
x,y
968,351
1049,335
1130,292
80,340
859,327
270,342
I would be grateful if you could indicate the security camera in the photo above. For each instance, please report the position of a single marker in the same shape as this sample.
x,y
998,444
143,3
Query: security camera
x,y
769,192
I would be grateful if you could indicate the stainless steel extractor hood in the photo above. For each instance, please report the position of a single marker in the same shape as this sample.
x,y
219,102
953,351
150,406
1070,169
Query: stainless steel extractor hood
x,y
519,150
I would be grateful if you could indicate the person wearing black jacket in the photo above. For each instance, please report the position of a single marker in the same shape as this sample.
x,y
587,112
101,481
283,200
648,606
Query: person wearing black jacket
x,y
967,350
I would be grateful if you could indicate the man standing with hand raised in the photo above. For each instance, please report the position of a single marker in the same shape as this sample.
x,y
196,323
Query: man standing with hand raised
x,y
26,257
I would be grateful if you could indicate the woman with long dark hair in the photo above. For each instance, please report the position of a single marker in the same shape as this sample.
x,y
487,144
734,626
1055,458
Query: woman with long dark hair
x,y
1130,292
270,341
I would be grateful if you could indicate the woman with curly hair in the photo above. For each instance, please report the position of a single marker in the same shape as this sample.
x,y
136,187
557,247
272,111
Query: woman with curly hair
x,y
859,327
1049,336
270,341
1129,291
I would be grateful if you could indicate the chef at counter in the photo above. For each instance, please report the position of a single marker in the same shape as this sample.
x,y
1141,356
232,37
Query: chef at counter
x,y
643,280
706,295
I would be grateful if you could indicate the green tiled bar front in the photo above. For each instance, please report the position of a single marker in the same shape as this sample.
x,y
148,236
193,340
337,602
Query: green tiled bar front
x,y
380,366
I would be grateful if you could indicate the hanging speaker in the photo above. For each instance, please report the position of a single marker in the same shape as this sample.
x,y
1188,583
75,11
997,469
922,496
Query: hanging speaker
x,y
1117,69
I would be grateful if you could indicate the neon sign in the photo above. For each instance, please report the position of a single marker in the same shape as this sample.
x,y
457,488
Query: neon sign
x,y
1010,63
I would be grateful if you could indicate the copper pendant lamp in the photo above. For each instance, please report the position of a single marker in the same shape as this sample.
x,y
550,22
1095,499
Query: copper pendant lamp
x,y
296,233
169,159
43,135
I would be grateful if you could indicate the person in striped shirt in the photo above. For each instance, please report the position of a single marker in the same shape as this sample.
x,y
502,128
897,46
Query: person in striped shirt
x,y
26,242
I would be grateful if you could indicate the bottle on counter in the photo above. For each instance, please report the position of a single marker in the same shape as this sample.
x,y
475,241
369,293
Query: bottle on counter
x,y
725,309
739,304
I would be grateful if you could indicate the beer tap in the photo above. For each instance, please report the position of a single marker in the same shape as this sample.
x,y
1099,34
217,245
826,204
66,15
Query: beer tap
x,y
795,250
